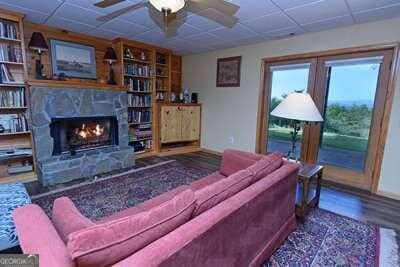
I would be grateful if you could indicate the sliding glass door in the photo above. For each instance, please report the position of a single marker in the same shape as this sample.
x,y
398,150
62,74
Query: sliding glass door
x,y
350,92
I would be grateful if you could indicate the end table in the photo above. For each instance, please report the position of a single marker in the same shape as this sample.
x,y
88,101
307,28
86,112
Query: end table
x,y
306,196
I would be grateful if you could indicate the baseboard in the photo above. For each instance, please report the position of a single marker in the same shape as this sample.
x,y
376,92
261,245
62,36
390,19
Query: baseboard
x,y
388,194
215,152
178,150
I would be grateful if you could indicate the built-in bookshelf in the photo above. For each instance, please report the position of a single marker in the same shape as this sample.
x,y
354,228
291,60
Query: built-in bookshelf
x,y
162,77
16,157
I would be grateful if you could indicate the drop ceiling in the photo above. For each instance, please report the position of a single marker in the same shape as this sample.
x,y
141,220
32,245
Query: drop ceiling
x,y
259,20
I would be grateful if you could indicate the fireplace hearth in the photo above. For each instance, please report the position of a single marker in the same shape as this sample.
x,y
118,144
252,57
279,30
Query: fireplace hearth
x,y
74,134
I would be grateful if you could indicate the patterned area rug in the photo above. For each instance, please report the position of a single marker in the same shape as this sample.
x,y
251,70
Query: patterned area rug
x,y
326,239
109,195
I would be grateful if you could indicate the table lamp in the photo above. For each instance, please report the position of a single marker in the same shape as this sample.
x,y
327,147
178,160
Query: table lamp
x,y
297,107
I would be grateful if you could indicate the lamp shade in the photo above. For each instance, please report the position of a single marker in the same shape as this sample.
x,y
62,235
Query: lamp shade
x,y
172,5
298,106
110,55
38,42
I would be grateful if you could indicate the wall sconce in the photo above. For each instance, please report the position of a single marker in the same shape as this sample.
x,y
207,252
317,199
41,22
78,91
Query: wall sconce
x,y
110,57
38,43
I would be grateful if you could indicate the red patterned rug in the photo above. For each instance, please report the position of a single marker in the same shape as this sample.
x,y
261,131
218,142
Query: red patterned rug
x,y
326,239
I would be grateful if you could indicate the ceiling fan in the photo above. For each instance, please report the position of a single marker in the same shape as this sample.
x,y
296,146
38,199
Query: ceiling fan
x,y
170,14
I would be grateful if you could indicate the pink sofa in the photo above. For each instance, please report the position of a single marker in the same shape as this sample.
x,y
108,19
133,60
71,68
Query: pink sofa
x,y
237,216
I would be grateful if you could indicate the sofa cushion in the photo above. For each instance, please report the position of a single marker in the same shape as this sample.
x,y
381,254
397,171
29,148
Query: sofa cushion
x,y
266,165
67,218
235,160
207,180
209,196
110,242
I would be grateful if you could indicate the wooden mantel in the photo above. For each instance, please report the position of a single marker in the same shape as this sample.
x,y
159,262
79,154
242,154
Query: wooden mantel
x,y
75,84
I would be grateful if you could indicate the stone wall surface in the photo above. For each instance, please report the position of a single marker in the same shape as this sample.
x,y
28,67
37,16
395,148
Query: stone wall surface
x,y
47,103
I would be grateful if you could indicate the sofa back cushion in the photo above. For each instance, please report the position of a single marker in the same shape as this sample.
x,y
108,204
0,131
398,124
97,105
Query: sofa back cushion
x,y
266,165
107,243
235,160
209,196
67,218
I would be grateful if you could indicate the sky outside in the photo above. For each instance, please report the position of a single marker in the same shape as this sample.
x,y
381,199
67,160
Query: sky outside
x,y
348,85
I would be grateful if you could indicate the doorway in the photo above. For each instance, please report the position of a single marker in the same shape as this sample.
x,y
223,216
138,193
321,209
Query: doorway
x,y
350,89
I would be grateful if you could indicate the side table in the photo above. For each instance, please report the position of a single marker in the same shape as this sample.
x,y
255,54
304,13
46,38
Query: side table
x,y
12,196
306,196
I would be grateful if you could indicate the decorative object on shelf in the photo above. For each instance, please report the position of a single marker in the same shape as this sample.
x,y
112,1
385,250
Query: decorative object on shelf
x,y
110,57
181,97
62,77
75,60
228,71
2,129
143,56
173,97
39,44
194,98
128,53
297,107
186,96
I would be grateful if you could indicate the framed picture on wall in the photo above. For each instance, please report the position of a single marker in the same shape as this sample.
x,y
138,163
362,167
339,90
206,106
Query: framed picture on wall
x,y
73,60
228,72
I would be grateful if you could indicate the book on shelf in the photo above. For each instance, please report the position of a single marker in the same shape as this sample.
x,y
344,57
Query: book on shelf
x,y
138,70
14,123
10,98
137,85
139,101
139,116
5,74
10,53
8,30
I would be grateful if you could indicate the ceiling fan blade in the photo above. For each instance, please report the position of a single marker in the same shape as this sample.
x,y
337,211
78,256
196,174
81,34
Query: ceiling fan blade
x,y
107,3
174,21
122,11
221,18
219,5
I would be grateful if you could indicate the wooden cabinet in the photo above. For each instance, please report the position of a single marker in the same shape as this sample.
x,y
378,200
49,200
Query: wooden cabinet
x,y
179,123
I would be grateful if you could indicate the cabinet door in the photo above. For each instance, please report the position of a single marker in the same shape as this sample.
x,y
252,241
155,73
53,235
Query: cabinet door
x,y
190,123
171,124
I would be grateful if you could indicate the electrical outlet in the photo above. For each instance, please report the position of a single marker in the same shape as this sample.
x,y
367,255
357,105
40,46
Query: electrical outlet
x,y
231,140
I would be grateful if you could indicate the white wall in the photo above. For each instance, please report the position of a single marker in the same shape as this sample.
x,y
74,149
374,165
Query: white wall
x,y
232,112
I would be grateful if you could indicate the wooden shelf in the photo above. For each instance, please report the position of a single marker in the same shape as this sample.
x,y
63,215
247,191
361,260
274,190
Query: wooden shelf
x,y
138,76
139,92
137,60
139,123
139,106
75,84
162,64
23,178
14,134
142,139
161,76
12,108
12,84
11,63
5,39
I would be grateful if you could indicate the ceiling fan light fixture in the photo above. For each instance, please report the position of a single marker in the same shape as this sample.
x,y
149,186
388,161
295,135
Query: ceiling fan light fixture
x,y
171,5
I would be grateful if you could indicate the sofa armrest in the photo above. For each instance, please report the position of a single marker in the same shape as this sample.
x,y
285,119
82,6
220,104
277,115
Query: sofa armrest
x,y
204,241
37,235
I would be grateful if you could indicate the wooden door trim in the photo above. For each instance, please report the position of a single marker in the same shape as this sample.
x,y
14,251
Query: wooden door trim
x,y
263,99
263,105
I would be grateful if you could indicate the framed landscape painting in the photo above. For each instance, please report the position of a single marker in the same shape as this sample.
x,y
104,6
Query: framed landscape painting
x,y
228,72
73,60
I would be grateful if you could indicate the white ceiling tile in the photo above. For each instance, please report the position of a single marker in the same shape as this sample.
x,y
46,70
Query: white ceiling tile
x,y
285,32
271,22
156,36
377,14
187,30
360,5
79,14
251,9
89,4
69,25
329,24
318,11
249,40
236,32
30,15
200,22
285,4
140,16
125,28
45,6
104,34
205,39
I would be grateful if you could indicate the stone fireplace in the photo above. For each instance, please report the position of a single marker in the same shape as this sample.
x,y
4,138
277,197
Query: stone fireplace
x,y
79,133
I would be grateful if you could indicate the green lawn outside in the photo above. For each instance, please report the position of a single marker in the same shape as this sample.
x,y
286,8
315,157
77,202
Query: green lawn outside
x,y
328,140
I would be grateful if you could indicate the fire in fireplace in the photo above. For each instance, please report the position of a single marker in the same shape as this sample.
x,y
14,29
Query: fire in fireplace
x,y
81,133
